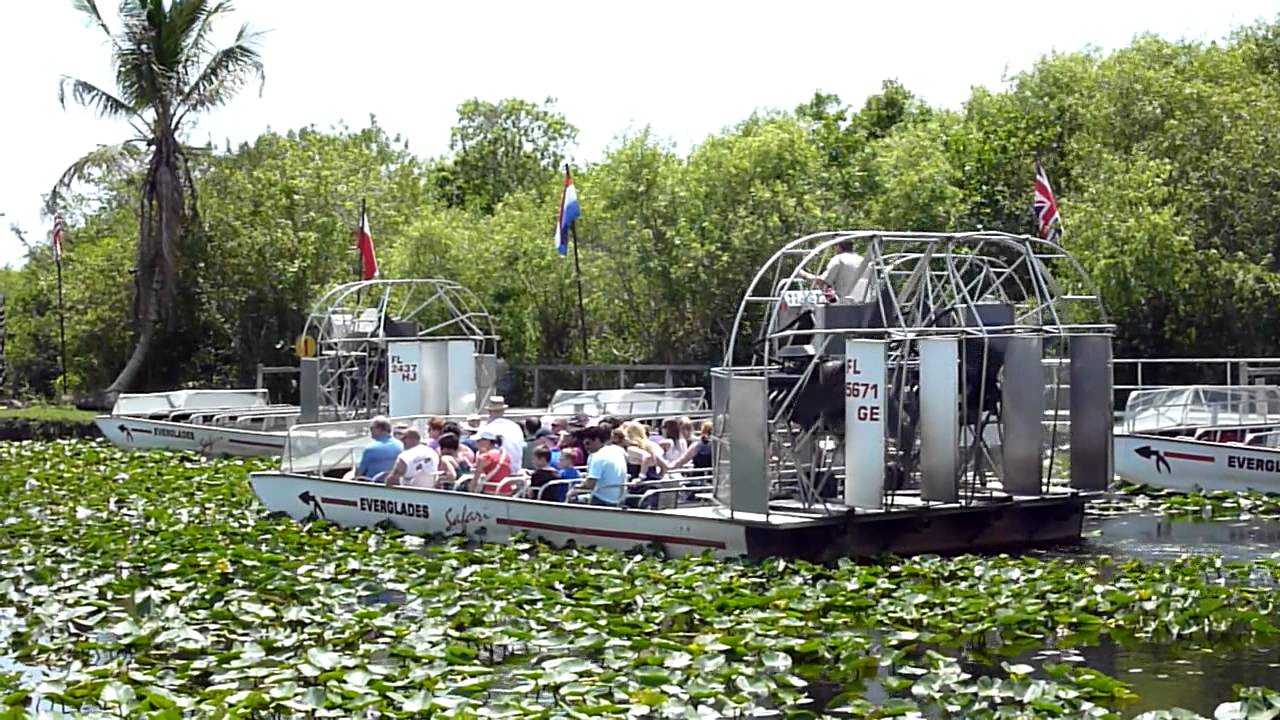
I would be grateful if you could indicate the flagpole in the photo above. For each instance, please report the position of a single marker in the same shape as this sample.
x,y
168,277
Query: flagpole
x,y
359,255
62,327
577,274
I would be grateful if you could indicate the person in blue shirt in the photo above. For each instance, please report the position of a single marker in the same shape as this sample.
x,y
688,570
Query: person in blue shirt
x,y
380,455
606,468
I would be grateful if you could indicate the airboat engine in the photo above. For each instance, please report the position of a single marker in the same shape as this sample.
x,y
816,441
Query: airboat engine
x,y
935,390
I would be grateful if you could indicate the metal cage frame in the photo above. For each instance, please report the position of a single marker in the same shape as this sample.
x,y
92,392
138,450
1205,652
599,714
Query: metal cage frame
x,y
919,285
353,323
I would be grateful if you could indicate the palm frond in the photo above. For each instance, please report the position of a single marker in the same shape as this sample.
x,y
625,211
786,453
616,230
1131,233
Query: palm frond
x,y
225,73
196,44
168,27
138,72
117,158
89,95
187,18
90,8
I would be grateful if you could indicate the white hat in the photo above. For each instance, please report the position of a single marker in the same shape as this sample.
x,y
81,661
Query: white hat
x,y
486,434
496,402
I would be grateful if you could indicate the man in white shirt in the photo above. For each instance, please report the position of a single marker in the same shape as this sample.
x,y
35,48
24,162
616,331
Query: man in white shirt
x,y
417,465
845,274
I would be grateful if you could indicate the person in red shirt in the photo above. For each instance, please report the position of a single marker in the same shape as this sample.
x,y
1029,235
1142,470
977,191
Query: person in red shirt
x,y
492,464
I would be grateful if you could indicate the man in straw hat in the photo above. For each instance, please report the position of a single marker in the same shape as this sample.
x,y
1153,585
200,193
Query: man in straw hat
x,y
511,433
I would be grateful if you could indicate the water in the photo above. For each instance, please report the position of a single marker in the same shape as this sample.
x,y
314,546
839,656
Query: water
x,y
1191,677
1152,537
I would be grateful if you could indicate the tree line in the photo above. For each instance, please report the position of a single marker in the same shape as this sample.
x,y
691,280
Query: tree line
x,y
1165,157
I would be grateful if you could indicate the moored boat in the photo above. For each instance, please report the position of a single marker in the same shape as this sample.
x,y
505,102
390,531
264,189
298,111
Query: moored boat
x,y
1201,437
347,344
848,427
212,422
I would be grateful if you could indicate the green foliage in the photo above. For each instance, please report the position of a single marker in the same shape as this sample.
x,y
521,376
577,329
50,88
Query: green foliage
x,y
278,218
503,148
1164,157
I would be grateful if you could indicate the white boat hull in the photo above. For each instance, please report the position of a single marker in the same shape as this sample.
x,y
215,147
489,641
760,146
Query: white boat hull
x,y
144,434
1188,465
420,511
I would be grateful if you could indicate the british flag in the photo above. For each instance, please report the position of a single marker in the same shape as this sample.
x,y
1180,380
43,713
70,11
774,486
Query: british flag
x,y
1048,224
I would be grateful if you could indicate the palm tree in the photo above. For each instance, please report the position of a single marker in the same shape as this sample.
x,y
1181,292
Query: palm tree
x,y
167,73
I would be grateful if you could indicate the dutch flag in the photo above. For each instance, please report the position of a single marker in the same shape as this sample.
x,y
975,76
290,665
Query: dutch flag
x,y
569,211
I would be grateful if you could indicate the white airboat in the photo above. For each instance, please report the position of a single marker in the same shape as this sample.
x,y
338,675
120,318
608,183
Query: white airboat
x,y
353,330
842,428
1201,437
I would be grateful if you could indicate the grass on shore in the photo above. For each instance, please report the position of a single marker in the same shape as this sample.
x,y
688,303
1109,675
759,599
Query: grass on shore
x,y
47,413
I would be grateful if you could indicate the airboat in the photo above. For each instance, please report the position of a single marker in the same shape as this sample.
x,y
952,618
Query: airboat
x,y
1201,437
843,426
358,340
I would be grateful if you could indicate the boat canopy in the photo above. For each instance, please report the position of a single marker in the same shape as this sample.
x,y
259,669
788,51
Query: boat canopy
x,y
631,402
165,403
1185,406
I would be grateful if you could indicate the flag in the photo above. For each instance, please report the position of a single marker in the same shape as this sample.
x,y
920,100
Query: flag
x,y
569,211
364,245
57,238
1048,223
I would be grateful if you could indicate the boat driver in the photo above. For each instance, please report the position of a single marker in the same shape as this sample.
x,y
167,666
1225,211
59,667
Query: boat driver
x,y
844,277
380,454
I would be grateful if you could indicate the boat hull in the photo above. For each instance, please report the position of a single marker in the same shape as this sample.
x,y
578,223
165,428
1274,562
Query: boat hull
x,y
1051,520
420,511
144,434
1188,465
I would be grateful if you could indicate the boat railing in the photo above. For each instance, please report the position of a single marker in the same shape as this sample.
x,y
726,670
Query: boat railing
x,y
630,402
669,497
1267,439
152,404
234,416
514,485
1200,406
568,484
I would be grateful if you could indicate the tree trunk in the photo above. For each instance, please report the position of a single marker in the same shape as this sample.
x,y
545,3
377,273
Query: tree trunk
x,y
159,223
146,334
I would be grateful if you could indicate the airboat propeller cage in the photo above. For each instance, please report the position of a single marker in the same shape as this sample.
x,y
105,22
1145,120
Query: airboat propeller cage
x,y
401,347
940,379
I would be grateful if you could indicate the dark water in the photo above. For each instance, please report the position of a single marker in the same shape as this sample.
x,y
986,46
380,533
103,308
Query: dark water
x,y
1192,677
1154,538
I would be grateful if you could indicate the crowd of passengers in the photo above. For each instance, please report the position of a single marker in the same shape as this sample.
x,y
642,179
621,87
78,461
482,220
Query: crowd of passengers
x,y
595,457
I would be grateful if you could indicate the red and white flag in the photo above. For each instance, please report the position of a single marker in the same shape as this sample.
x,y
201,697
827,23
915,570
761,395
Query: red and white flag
x,y
57,238
364,245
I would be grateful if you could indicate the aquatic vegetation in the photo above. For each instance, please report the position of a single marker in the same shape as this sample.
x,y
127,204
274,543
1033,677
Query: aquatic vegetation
x,y
151,584
1208,505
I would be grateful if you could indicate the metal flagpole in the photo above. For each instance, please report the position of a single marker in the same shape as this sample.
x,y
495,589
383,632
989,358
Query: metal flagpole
x,y
62,316
577,272
359,253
